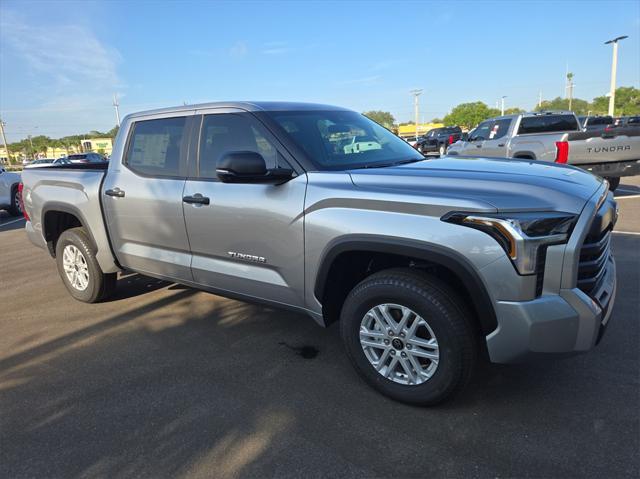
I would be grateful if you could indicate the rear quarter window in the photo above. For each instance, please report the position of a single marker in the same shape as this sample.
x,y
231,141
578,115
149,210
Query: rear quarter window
x,y
547,124
155,145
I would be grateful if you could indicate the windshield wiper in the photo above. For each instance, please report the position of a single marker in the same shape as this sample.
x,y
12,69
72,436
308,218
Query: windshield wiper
x,y
394,163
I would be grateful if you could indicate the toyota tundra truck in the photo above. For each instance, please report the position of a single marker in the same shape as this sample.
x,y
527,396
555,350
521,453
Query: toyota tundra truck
x,y
555,137
426,266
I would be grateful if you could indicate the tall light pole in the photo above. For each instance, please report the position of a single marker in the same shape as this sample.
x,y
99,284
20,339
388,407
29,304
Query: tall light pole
x,y
116,105
502,105
614,71
416,108
570,89
4,140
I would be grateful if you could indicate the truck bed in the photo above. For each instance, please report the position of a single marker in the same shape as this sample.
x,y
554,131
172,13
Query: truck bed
x,y
75,190
597,147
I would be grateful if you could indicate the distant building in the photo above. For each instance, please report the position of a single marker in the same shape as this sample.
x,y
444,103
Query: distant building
x,y
99,145
409,131
103,146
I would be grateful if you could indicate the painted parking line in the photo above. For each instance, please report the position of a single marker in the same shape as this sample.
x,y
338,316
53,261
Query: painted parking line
x,y
11,222
634,233
627,197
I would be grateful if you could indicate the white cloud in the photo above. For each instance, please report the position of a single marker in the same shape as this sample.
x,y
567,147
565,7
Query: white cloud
x,y
239,49
70,55
70,77
361,81
276,48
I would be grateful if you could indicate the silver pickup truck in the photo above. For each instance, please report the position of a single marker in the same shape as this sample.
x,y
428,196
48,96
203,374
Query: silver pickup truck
x,y
555,137
424,264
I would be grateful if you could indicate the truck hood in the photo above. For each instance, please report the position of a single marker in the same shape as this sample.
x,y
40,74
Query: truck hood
x,y
507,185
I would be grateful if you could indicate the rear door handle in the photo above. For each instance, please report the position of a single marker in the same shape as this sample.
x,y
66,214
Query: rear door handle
x,y
500,144
117,192
196,199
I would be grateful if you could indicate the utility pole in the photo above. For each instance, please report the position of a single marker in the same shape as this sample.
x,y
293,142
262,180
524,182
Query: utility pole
x,y
416,108
614,71
116,105
502,105
570,88
540,99
4,140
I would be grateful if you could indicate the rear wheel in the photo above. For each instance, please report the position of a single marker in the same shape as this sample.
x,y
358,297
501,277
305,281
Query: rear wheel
x,y
407,336
442,150
613,183
79,269
16,208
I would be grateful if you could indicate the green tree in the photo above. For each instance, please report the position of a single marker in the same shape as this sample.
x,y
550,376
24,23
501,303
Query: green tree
x,y
578,106
468,115
627,102
514,111
436,120
114,131
383,118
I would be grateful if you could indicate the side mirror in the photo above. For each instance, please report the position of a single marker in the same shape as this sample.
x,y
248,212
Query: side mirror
x,y
249,167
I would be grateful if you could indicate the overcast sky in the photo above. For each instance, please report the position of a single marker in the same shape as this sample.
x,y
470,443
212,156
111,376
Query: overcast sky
x,y
61,62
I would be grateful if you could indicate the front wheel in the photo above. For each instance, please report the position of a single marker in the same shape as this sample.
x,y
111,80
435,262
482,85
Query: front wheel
x,y
79,269
407,336
613,183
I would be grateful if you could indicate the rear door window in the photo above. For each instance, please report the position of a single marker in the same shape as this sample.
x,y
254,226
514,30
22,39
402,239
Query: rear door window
x,y
547,124
499,128
155,147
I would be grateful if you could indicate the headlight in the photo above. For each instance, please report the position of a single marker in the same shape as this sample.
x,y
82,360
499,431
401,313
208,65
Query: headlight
x,y
523,236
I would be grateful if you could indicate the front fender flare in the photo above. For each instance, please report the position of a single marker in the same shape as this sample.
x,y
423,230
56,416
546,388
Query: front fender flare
x,y
432,253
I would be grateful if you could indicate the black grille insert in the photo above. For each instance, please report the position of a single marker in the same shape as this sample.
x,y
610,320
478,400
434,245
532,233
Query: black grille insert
x,y
596,250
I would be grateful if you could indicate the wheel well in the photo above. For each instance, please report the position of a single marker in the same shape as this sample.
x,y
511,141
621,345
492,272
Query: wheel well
x,y
351,267
55,223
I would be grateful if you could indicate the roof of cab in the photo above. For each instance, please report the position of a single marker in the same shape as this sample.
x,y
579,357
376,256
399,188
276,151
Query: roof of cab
x,y
243,105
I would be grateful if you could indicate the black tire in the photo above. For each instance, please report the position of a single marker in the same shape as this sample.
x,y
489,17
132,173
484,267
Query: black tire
x,y
100,285
613,183
434,301
14,209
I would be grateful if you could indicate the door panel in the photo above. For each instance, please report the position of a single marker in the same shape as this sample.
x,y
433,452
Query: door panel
x,y
142,201
495,146
249,239
264,221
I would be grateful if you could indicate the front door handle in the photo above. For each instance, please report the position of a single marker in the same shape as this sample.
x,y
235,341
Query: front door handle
x,y
478,146
196,199
117,192
500,144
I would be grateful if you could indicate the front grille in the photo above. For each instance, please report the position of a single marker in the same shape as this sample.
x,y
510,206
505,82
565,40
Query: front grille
x,y
593,261
595,252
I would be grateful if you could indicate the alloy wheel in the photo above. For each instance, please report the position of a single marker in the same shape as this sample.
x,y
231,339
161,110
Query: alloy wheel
x,y
399,344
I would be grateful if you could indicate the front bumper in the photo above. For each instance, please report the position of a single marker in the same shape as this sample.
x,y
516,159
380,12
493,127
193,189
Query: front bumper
x,y
570,322
614,170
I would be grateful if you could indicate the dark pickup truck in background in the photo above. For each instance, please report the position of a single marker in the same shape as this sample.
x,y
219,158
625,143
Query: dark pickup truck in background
x,y
438,140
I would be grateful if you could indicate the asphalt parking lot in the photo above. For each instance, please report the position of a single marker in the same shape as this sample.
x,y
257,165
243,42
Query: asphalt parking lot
x,y
164,381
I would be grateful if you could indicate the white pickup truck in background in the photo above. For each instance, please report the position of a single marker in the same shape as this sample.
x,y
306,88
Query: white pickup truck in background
x,y
610,154
555,137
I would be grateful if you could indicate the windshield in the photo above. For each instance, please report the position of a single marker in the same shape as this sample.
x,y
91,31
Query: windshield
x,y
339,140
